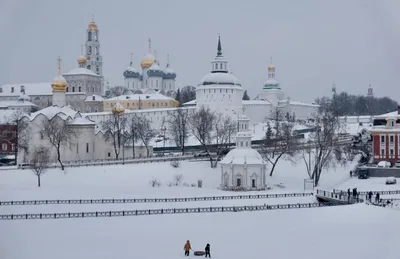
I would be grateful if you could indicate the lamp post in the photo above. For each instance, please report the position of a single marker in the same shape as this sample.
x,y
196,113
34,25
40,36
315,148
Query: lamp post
x,y
123,149
164,129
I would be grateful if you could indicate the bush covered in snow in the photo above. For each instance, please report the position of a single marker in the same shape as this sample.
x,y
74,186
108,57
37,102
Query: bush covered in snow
x,y
175,164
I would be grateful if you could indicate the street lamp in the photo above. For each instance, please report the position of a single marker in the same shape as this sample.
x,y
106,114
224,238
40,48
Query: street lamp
x,y
164,129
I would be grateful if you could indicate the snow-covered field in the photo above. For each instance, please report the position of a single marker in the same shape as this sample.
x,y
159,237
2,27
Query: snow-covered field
x,y
335,232
358,231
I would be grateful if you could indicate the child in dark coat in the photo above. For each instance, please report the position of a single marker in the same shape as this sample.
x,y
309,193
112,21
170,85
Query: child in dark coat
x,y
207,250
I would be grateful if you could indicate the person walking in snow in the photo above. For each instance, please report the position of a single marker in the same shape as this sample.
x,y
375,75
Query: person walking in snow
x,y
207,250
370,196
377,197
187,248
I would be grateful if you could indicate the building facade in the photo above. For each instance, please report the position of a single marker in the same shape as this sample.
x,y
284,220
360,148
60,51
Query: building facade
x,y
141,102
385,134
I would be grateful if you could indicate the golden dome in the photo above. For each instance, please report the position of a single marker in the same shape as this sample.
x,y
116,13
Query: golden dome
x,y
147,62
81,60
271,67
118,109
92,26
59,84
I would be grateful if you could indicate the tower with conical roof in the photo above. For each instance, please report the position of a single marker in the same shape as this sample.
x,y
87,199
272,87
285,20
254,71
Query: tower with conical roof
x,y
94,59
220,91
59,86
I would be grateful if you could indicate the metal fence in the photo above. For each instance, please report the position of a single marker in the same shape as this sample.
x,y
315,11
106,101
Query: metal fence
x,y
336,191
153,200
340,197
124,213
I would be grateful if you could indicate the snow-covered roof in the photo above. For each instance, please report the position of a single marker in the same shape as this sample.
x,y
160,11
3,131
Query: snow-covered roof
x,y
81,71
6,116
90,98
49,112
386,115
142,97
29,88
168,70
254,102
240,156
271,81
155,66
192,102
59,78
82,121
303,104
10,104
220,79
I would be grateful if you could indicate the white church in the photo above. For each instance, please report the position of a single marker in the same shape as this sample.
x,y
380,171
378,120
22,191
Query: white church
x,y
222,92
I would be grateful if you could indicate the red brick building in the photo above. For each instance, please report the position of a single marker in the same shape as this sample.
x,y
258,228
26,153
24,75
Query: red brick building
x,y
386,137
7,139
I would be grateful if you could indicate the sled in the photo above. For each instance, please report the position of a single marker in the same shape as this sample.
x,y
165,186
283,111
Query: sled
x,y
199,253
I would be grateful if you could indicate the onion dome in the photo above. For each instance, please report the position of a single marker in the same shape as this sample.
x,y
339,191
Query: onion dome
x,y
92,26
147,61
271,67
131,72
169,73
82,61
118,109
155,70
59,84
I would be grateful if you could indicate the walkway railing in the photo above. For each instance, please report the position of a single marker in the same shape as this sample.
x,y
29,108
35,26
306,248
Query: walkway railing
x,y
126,213
153,200
341,197
373,192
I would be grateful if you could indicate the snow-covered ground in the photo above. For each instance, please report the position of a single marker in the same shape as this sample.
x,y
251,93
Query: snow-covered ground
x,y
357,231
336,232
132,181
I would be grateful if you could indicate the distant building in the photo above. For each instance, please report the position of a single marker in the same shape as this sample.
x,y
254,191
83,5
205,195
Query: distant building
x,y
151,77
141,102
386,137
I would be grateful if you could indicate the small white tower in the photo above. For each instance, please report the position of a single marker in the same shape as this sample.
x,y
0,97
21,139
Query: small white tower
x,y
169,79
59,86
94,59
370,92
243,168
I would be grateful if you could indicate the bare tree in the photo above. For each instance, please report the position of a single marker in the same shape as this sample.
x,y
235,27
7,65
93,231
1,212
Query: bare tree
x,y
202,122
178,125
59,133
224,128
131,128
21,132
280,139
323,141
40,162
145,133
114,127
155,182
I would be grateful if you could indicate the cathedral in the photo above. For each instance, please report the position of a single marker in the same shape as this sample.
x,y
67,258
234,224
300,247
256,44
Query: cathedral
x,y
151,78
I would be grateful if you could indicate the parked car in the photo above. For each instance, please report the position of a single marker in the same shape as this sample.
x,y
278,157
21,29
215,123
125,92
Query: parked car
x,y
201,154
24,166
391,180
362,173
384,164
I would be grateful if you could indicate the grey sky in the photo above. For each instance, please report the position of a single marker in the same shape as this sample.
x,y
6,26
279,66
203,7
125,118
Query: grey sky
x,y
312,42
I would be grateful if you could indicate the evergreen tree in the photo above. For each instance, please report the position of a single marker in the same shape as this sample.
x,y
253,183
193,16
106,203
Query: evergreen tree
x,y
245,96
178,97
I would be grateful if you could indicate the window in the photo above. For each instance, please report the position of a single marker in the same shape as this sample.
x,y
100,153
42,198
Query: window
x,y
392,123
392,152
12,89
4,146
238,182
391,139
80,89
220,66
73,89
109,154
383,152
247,143
382,139
241,143
93,97
87,147
22,89
253,183
1,89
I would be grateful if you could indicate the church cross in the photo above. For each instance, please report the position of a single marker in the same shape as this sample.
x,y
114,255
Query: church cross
x,y
149,45
59,65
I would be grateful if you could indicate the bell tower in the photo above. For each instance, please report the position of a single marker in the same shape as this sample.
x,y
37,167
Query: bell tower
x,y
94,59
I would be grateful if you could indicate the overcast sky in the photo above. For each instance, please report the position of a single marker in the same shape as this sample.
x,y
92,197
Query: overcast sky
x,y
313,42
